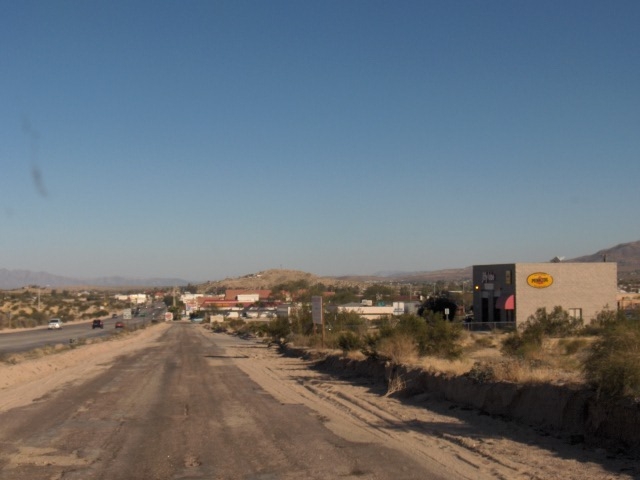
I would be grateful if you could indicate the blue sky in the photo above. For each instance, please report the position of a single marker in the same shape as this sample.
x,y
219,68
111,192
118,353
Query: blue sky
x,y
208,139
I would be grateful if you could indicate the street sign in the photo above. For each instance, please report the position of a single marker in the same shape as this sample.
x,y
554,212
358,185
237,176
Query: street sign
x,y
316,310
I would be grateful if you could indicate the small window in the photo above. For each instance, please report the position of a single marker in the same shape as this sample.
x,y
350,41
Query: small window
x,y
507,277
575,313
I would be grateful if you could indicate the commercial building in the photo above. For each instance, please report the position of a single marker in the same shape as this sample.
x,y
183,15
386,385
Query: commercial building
x,y
513,292
365,310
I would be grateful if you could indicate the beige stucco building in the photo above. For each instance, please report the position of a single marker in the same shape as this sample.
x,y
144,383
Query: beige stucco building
x,y
512,292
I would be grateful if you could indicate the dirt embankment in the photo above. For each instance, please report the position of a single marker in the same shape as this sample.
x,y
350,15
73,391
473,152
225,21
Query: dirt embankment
x,y
565,411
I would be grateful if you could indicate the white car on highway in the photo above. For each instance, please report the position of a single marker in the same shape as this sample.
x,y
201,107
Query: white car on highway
x,y
55,323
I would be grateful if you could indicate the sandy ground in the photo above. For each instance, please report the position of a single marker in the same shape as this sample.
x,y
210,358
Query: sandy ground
x,y
354,410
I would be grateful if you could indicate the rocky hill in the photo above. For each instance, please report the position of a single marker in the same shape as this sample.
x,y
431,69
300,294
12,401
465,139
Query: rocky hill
x,y
268,279
627,255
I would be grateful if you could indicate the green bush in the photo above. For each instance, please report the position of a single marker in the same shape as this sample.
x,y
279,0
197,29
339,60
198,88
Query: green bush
x,y
527,341
433,335
342,321
558,323
441,338
613,364
278,328
573,346
349,341
603,320
523,344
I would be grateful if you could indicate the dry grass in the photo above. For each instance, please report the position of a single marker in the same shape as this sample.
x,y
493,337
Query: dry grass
x,y
558,361
450,367
518,371
396,384
399,349
356,355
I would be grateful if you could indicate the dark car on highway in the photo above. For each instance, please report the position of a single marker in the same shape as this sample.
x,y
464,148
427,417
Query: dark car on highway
x,y
97,324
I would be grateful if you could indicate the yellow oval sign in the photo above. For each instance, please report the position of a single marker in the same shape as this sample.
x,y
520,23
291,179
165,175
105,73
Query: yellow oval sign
x,y
539,280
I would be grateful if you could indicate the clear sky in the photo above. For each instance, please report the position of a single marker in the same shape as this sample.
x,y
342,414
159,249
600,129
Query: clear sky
x,y
207,139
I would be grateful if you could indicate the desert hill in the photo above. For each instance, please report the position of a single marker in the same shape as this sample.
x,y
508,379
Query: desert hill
x,y
627,255
268,279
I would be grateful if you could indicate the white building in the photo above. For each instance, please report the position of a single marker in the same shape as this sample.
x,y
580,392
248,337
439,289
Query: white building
x,y
368,312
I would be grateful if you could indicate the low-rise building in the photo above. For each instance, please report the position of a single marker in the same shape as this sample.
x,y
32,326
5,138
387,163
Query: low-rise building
x,y
513,292
368,312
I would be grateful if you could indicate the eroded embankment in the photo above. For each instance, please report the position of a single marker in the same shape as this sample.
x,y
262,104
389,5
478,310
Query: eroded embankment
x,y
568,411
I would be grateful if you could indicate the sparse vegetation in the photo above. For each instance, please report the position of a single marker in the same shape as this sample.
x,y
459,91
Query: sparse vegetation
x,y
527,341
613,364
33,306
349,341
551,347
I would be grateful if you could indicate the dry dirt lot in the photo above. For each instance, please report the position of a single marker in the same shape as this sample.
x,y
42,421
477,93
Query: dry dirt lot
x,y
457,443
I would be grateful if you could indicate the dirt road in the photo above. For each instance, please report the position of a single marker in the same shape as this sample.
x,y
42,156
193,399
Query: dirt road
x,y
177,402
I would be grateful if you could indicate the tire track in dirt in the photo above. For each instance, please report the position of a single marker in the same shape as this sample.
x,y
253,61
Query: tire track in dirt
x,y
432,430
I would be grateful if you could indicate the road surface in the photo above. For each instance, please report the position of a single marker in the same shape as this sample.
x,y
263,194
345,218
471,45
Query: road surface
x,y
182,410
14,341
177,402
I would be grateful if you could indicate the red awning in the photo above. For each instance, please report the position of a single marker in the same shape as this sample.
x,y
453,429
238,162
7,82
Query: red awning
x,y
506,302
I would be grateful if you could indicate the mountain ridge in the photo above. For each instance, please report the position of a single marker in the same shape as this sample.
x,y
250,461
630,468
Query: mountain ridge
x,y
627,256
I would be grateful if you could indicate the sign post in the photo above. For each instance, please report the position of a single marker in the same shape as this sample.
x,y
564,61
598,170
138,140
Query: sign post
x,y
317,314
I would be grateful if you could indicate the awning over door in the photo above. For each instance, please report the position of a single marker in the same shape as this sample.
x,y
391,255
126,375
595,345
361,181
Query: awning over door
x,y
506,302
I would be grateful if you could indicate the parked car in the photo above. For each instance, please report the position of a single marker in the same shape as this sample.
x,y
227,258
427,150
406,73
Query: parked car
x,y
55,324
119,324
114,315
97,323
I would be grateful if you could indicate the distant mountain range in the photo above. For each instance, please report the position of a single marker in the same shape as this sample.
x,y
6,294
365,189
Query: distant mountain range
x,y
11,279
627,255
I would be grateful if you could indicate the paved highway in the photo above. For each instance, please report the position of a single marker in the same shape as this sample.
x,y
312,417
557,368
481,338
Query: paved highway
x,y
30,339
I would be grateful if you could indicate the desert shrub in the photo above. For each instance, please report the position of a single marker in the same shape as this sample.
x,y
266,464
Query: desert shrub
x,y
411,325
613,364
441,338
572,346
527,341
431,336
512,370
259,329
557,323
278,328
342,321
349,341
603,320
301,321
523,344
236,323
400,348
483,341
